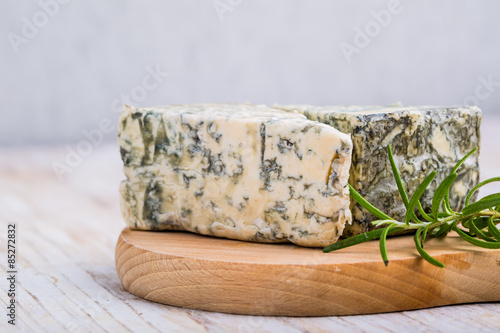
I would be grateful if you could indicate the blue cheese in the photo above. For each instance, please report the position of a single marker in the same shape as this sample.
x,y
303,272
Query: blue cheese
x,y
422,139
235,170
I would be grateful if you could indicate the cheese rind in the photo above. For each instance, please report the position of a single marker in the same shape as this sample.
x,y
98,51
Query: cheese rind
x,y
422,139
238,171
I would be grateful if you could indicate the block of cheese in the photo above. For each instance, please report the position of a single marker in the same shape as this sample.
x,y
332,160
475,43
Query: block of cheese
x,y
238,171
422,139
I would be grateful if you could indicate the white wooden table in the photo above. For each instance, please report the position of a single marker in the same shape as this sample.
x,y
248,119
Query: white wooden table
x,y
66,278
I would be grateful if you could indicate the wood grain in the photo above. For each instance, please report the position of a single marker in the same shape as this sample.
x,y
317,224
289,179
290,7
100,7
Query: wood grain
x,y
199,272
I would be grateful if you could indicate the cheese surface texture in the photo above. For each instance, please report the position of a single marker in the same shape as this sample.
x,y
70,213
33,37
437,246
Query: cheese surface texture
x,y
238,171
422,139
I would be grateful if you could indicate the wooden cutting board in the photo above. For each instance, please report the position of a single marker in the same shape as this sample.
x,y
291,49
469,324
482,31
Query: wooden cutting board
x,y
213,274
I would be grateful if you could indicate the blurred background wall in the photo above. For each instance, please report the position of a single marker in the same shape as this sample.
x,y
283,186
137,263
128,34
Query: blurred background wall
x,y
67,65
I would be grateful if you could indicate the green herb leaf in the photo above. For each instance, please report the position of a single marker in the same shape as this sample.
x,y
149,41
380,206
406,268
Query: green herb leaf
x,y
358,239
463,160
399,182
416,196
442,231
481,222
492,228
481,184
475,241
423,253
447,196
487,202
366,205
424,233
397,177
479,233
440,193
383,244
423,213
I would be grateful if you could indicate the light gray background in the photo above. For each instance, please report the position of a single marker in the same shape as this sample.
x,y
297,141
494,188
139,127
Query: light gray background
x,y
65,79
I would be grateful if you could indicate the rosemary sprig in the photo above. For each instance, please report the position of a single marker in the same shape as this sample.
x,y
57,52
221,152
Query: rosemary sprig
x,y
480,217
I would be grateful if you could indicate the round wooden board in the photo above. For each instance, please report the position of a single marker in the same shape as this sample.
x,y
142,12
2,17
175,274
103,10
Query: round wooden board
x,y
213,274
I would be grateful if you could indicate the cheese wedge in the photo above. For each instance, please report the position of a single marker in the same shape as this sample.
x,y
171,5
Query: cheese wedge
x,y
239,171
